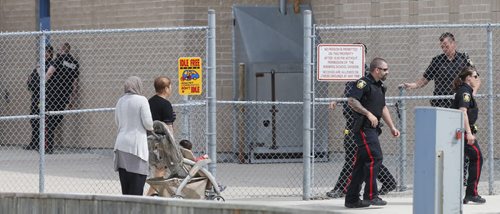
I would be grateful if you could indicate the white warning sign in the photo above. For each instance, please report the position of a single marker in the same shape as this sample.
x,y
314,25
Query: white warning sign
x,y
340,62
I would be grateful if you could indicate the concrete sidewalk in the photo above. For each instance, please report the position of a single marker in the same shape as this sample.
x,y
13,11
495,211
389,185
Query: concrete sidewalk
x,y
394,205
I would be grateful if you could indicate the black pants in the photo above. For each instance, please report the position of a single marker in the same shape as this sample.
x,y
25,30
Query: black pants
x,y
350,148
53,122
474,171
35,123
366,169
132,183
35,133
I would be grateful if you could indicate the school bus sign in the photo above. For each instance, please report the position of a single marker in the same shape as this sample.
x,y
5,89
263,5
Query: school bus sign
x,y
190,76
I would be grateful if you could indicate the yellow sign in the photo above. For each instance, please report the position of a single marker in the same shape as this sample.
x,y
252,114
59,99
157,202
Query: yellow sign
x,y
190,76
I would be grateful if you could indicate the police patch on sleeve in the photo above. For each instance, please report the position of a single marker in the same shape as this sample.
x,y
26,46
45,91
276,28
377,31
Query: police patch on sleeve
x,y
470,62
466,97
360,84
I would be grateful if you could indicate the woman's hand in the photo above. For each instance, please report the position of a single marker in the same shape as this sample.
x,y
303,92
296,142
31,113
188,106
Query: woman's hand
x,y
470,138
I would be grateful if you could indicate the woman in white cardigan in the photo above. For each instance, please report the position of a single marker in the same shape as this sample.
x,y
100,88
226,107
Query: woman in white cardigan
x,y
133,117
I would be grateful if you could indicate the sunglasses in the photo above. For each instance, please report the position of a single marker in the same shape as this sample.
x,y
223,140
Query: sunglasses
x,y
383,69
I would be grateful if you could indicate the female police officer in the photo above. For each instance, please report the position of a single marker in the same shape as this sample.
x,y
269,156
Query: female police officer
x,y
465,86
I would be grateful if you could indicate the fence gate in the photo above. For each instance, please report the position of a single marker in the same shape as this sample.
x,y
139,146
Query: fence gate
x,y
408,50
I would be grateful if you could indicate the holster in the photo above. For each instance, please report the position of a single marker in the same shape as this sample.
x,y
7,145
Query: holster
x,y
379,130
473,128
359,121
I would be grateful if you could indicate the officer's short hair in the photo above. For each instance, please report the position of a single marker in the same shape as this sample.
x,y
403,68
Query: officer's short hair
x,y
49,49
446,35
376,63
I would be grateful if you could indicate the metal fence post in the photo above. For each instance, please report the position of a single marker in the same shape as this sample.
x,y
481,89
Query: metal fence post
x,y
307,106
403,144
41,113
211,94
185,131
491,100
313,102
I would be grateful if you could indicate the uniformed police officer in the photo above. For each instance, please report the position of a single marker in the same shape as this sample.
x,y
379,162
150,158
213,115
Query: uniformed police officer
x,y
62,80
350,148
466,85
34,87
443,69
367,99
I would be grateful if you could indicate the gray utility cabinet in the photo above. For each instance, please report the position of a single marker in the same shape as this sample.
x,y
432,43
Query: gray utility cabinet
x,y
270,45
439,155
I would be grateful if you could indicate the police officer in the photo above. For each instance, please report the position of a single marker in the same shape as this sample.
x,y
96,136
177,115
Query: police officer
x,y
33,84
367,99
62,78
465,85
385,177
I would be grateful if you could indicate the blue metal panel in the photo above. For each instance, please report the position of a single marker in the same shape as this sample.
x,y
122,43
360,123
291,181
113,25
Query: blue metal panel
x,y
44,14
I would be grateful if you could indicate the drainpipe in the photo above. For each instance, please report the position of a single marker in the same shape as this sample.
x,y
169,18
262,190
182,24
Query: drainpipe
x,y
283,7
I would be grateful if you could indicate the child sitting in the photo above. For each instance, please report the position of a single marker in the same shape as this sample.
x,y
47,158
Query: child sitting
x,y
186,144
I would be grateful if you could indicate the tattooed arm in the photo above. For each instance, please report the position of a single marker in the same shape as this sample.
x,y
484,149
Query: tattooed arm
x,y
356,106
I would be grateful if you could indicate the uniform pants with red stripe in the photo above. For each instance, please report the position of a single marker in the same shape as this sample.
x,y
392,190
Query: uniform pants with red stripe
x,y
350,148
368,161
475,164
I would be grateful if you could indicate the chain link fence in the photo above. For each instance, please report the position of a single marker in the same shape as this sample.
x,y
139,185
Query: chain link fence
x,y
79,102
410,52
260,144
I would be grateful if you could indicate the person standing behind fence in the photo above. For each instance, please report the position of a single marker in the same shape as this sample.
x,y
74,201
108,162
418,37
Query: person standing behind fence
x,y
131,154
385,177
62,78
367,99
465,86
161,110
33,84
443,69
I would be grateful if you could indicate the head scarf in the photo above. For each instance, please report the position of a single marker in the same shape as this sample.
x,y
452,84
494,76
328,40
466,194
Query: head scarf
x,y
133,85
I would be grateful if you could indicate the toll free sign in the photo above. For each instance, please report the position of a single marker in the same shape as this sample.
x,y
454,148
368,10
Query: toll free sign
x,y
340,62
190,76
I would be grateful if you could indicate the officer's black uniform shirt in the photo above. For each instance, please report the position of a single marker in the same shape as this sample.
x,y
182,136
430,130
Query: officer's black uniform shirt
x,y
34,86
346,109
443,71
464,98
60,85
371,94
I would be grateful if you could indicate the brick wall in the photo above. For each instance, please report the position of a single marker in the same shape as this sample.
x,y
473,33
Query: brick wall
x,y
91,14
17,15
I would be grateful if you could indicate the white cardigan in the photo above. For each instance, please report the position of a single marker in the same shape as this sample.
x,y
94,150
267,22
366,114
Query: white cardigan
x,y
133,117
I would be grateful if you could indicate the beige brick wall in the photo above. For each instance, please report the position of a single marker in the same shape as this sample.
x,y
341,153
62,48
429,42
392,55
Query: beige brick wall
x,y
94,14
17,15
